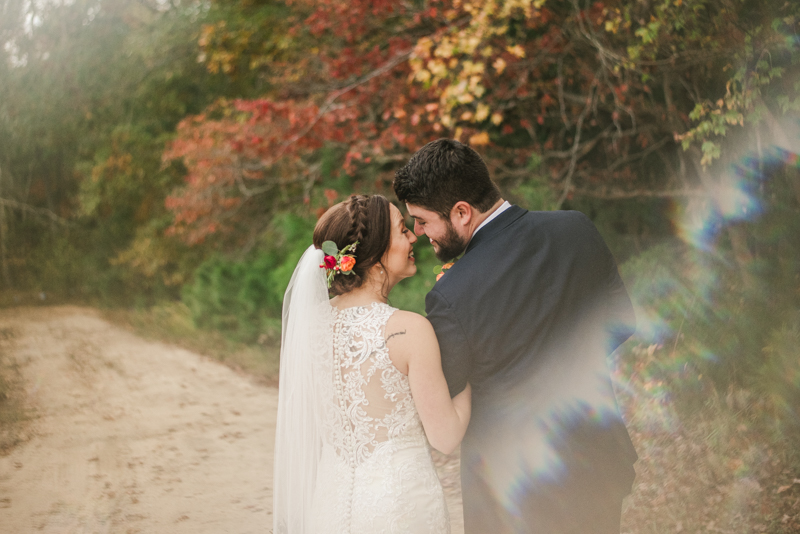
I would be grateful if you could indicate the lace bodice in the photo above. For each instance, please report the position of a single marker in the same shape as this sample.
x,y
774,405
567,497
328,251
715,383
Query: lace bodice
x,y
375,474
371,401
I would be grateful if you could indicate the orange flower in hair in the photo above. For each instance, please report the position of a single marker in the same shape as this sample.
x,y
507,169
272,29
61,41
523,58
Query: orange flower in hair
x,y
347,263
337,261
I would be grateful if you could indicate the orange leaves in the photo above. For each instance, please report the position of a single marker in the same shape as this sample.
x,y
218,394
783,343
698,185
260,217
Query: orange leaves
x,y
222,48
482,71
479,139
472,65
516,50
115,164
354,19
423,47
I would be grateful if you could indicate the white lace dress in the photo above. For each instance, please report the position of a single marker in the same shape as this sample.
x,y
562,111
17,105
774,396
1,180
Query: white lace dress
x,y
376,474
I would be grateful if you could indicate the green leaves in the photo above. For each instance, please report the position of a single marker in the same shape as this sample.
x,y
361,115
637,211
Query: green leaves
x,y
341,263
330,248
649,33
711,151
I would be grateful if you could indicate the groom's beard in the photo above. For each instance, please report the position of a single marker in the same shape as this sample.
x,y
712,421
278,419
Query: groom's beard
x,y
451,244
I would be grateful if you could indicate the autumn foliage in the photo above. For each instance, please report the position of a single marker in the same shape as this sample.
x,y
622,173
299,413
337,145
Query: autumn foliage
x,y
172,157
588,99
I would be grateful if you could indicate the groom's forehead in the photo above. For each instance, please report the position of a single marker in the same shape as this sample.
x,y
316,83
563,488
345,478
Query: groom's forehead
x,y
418,212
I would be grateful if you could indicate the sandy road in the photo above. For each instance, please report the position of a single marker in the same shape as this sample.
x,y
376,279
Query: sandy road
x,y
134,436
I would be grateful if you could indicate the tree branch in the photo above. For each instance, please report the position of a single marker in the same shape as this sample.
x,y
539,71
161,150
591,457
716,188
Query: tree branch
x,y
400,58
41,212
620,194
638,155
585,147
576,144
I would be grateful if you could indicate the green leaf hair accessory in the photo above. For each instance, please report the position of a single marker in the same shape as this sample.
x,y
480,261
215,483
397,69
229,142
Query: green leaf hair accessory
x,y
338,261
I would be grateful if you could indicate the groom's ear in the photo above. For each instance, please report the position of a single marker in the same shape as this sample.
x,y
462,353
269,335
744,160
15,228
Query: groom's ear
x,y
461,214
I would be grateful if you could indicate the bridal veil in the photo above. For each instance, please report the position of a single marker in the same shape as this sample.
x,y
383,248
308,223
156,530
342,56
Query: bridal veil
x,y
305,357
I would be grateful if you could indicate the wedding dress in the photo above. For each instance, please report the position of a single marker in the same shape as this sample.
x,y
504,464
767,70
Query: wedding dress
x,y
349,441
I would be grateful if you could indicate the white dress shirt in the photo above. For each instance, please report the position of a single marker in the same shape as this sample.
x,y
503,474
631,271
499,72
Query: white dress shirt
x,y
503,207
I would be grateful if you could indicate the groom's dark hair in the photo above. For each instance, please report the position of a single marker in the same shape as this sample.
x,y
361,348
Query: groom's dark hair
x,y
442,173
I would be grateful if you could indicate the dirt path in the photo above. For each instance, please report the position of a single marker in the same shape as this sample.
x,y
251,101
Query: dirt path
x,y
133,436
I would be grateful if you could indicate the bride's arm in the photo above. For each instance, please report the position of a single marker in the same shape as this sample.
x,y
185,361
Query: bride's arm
x,y
414,350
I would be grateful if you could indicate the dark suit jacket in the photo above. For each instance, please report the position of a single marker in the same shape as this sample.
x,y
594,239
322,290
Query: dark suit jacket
x,y
528,316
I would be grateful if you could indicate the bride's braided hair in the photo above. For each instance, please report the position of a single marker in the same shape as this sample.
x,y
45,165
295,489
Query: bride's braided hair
x,y
363,218
357,210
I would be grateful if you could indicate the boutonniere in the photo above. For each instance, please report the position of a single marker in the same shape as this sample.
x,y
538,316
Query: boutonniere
x,y
440,269
337,261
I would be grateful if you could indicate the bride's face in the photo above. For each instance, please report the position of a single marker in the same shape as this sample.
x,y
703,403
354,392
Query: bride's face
x,y
399,259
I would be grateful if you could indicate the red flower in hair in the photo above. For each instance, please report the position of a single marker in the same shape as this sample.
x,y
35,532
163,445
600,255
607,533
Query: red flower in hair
x,y
337,261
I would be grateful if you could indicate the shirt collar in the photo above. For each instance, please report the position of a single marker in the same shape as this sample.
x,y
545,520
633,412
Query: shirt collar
x,y
503,207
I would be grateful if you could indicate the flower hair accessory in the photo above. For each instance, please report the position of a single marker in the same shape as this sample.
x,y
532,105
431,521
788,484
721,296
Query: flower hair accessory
x,y
337,261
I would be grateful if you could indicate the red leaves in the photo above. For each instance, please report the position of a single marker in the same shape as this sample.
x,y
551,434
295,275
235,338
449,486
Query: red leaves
x,y
354,19
358,93
620,91
259,146
331,195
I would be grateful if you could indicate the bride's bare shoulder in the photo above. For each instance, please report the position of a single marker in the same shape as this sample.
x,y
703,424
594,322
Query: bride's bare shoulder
x,y
409,336
413,324
409,319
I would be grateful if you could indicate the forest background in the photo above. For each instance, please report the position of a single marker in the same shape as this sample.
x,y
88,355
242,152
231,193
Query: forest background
x,y
166,160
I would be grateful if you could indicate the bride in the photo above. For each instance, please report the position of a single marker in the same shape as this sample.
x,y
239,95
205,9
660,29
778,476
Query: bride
x,y
362,395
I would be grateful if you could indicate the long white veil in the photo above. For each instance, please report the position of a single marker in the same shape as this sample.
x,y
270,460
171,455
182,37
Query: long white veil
x,y
306,346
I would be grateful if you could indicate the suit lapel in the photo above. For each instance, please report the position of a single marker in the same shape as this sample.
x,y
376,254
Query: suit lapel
x,y
496,226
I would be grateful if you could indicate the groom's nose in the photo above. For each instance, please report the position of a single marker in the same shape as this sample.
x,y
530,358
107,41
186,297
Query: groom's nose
x,y
418,228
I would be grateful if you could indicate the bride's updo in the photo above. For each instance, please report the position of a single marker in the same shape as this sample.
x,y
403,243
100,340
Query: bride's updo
x,y
363,218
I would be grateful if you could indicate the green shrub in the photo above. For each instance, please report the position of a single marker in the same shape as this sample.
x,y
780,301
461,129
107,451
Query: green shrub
x,y
778,378
707,318
243,297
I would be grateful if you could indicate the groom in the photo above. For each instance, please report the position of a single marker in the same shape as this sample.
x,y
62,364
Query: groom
x,y
527,315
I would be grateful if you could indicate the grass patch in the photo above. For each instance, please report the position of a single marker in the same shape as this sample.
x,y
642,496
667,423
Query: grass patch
x,y
172,323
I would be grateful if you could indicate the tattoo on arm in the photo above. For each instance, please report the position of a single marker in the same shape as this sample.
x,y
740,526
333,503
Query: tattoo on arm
x,y
395,334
